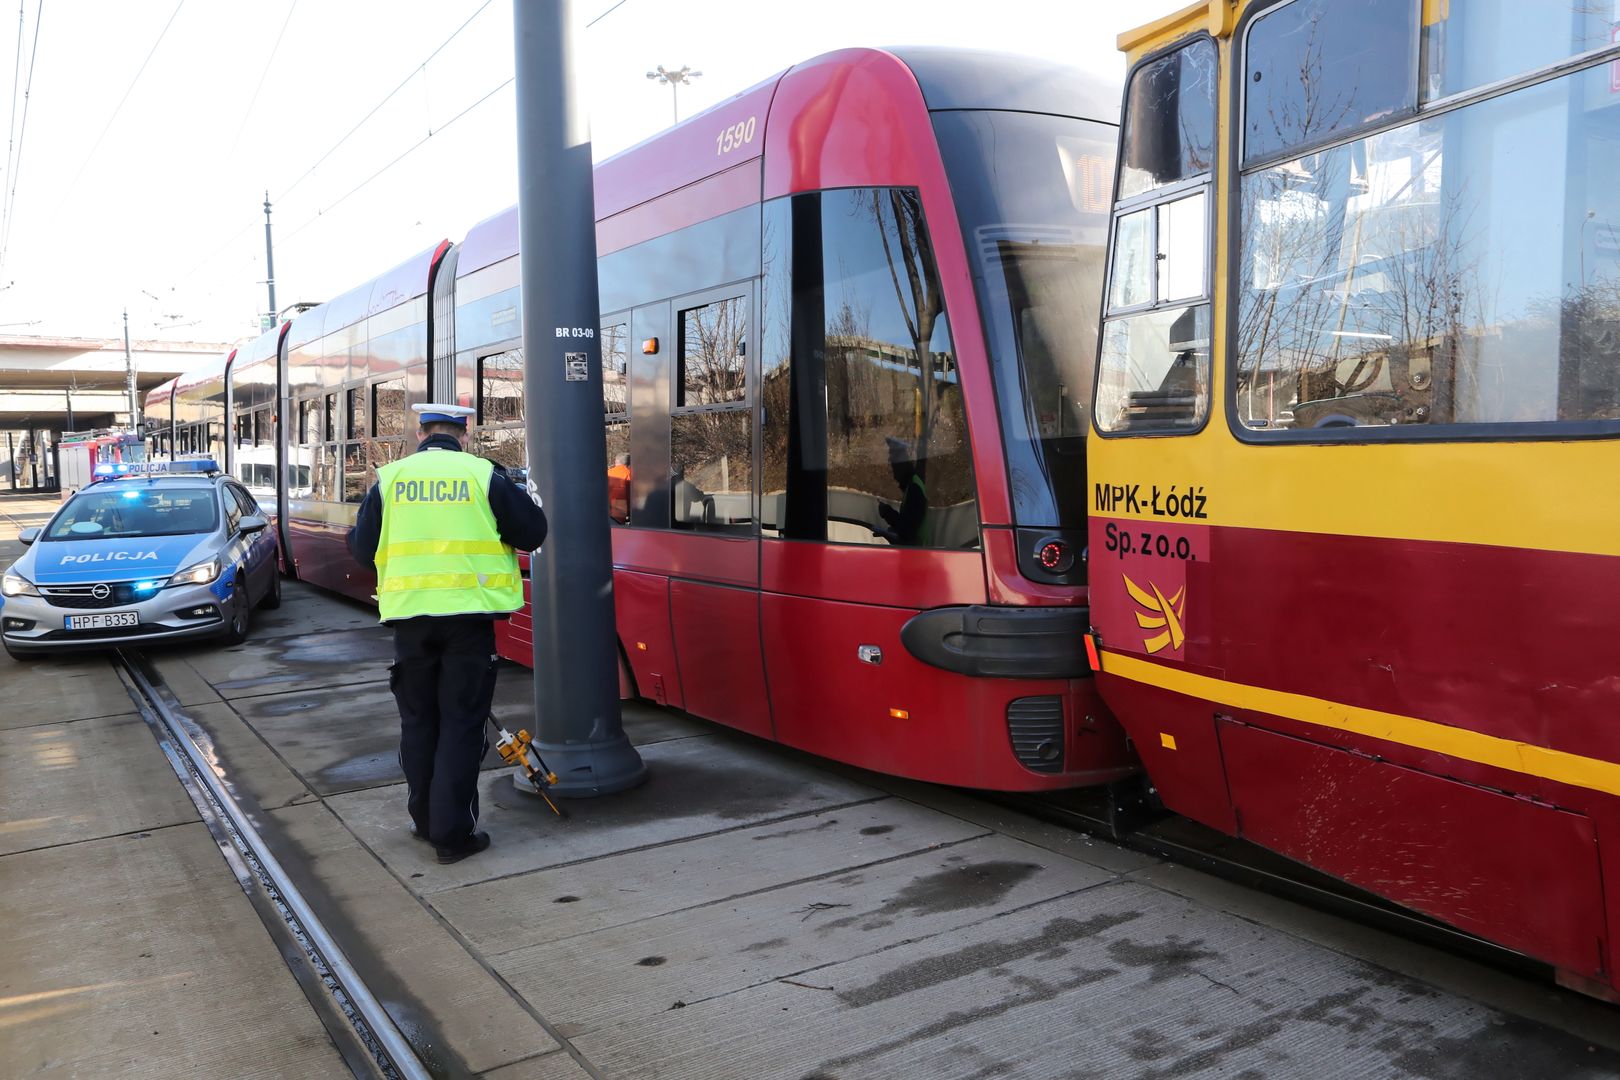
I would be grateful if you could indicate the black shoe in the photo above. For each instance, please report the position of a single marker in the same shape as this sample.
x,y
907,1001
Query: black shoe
x,y
475,843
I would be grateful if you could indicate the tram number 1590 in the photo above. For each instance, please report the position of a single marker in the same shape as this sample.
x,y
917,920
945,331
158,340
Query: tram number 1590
x,y
1146,542
734,137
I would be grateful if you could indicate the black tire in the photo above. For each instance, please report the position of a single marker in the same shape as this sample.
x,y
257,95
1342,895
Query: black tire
x,y
236,630
272,597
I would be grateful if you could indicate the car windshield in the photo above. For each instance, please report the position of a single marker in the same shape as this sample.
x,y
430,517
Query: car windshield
x,y
121,510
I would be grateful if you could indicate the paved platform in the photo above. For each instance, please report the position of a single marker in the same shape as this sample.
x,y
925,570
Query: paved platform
x,y
749,912
129,949
752,912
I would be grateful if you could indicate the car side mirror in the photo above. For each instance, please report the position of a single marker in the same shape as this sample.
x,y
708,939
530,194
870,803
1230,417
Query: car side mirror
x,y
27,536
252,524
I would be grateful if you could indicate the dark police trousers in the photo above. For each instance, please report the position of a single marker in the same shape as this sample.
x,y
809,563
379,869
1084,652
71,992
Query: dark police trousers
x,y
443,678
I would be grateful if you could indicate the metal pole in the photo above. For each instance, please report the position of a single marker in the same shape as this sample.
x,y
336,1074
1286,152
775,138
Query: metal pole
x,y
269,263
576,646
129,375
67,392
11,460
674,102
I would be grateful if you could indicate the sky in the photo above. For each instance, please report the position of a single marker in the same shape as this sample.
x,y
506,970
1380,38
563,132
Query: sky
x,y
145,133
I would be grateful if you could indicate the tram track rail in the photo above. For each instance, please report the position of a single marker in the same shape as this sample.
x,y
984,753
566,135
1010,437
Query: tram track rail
x,y
1122,819
365,1034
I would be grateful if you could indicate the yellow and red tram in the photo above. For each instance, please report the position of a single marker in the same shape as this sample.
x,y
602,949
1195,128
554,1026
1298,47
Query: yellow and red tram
x,y
1354,528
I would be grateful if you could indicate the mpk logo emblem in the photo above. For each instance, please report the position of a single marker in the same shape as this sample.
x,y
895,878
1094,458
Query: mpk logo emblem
x,y
1165,616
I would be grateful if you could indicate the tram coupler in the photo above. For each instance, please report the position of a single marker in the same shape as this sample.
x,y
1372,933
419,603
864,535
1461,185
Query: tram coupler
x,y
1132,803
519,752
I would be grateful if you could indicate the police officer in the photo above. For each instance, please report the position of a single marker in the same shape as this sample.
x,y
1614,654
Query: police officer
x,y
442,528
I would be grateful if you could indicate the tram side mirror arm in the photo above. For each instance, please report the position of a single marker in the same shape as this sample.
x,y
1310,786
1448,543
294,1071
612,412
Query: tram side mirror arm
x,y
27,536
252,524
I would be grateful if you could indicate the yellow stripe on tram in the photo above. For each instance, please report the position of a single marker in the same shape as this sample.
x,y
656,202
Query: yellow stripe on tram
x,y
1595,774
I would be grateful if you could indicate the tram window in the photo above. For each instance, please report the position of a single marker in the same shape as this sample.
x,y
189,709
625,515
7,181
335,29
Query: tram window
x,y
1478,42
711,469
1318,68
712,448
1463,269
1169,120
712,353
500,387
1153,374
331,421
309,422
865,433
357,476
356,420
388,408
615,412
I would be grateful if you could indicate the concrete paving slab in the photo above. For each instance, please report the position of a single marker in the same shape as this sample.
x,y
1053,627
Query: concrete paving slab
x,y
1114,981
304,607
339,738
274,665
644,968
558,1065
456,1013
63,783
253,772
49,689
645,723
695,786
1584,1017
176,977
565,901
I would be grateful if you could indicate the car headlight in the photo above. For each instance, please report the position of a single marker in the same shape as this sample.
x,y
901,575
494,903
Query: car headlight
x,y
196,574
17,585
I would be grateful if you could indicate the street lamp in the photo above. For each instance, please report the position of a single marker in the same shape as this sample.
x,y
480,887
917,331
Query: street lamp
x,y
674,79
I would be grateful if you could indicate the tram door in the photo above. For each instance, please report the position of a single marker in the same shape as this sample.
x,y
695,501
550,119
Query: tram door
x,y
692,478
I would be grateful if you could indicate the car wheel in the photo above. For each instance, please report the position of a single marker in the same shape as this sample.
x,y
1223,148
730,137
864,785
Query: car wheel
x,y
15,655
272,597
236,633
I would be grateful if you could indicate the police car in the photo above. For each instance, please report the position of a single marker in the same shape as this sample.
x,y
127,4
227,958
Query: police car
x,y
166,551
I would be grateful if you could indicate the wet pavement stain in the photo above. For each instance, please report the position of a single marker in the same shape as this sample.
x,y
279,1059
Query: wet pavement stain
x,y
1165,959
1030,991
1055,937
762,946
566,900
955,888
652,961
877,830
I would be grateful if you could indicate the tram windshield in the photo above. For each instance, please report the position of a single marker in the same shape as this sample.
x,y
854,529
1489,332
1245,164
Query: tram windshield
x,y
1032,192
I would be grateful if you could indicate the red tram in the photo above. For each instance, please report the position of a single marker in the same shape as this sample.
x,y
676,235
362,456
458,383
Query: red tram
x,y
848,325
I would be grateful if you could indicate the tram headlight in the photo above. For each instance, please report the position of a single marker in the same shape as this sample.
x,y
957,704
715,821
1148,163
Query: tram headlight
x,y
197,574
17,585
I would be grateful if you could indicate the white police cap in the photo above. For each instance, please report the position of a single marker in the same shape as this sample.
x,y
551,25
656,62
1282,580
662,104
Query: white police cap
x,y
444,414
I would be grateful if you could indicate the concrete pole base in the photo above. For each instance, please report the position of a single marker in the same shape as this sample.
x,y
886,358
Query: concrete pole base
x,y
585,770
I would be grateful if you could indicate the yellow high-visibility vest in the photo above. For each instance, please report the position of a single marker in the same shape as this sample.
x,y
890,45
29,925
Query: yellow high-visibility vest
x,y
440,552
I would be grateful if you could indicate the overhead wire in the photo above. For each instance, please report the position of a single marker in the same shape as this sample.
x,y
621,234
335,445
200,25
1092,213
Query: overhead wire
x,y
119,107
254,100
334,148
402,156
16,76
390,96
606,13
9,214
